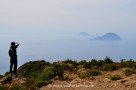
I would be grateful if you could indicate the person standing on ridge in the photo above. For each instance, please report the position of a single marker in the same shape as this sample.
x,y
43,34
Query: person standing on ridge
x,y
13,57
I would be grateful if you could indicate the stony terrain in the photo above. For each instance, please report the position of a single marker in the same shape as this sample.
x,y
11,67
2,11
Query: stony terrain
x,y
101,82
72,75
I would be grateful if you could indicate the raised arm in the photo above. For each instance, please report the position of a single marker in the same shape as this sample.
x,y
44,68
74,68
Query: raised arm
x,y
17,44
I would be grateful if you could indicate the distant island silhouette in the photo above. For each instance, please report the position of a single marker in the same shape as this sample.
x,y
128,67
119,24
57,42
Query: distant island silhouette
x,y
107,37
83,34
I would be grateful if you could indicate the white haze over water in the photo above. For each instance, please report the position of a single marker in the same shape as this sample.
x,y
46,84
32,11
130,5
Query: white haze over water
x,y
73,47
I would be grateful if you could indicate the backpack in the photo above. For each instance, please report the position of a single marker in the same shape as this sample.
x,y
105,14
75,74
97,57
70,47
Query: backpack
x,y
10,52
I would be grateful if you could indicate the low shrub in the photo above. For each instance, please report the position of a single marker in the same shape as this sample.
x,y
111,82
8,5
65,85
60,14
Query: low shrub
x,y
106,67
115,77
32,68
30,82
85,64
108,60
114,67
82,73
94,62
45,77
19,87
69,76
100,63
109,67
2,87
93,73
59,69
129,64
69,61
128,72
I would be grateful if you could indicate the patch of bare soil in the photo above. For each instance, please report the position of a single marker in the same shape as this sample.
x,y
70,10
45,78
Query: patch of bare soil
x,y
9,81
101,82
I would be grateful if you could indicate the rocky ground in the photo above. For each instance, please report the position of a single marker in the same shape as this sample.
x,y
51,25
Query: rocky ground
x,y
101,82
11,81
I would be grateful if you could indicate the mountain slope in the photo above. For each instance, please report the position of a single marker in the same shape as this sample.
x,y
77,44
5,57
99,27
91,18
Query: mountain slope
x,y
107,37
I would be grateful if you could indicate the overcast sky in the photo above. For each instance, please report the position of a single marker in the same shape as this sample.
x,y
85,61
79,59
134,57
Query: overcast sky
x,y
66,16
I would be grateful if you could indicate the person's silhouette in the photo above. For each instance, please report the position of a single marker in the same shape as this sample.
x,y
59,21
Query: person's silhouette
x,y
13,58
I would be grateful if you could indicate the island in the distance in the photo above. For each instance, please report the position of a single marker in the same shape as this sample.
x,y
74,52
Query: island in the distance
x,y
83,34
107,37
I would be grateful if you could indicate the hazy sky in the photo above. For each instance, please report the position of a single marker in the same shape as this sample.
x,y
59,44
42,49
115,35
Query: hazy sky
x,y
67,16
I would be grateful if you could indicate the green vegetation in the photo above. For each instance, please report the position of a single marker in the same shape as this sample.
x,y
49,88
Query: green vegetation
x,y
33,69
82,73
108,60
3,87
41,73
129,64
109,67
19,87
128,72
115,77
70,61
93,73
